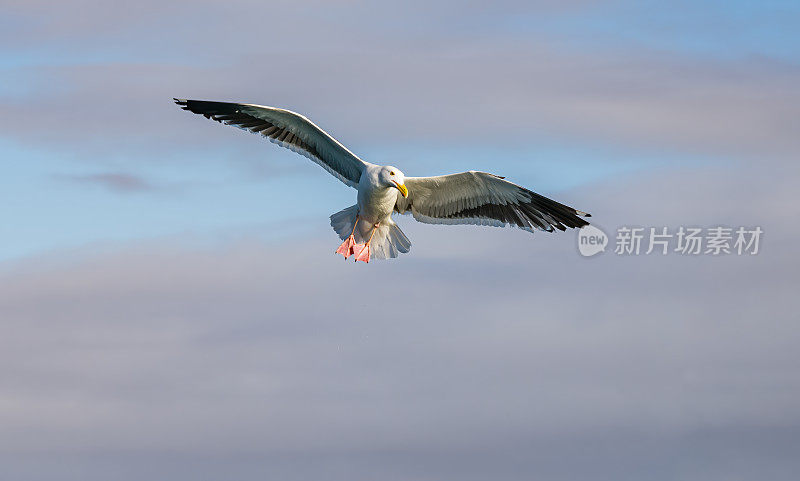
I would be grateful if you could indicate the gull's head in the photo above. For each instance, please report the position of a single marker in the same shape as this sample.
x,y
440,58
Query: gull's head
x,y
392,177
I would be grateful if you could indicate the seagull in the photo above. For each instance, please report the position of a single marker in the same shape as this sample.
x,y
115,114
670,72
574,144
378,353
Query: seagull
x,y
366,228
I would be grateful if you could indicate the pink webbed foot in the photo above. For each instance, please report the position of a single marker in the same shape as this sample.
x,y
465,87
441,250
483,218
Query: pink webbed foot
x,y
348,247
363,254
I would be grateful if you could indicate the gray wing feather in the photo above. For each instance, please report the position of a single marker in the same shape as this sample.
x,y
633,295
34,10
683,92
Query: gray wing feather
x,y
484,199
287,129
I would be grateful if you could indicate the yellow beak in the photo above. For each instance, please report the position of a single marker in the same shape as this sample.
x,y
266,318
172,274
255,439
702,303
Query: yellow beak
x,y
402,189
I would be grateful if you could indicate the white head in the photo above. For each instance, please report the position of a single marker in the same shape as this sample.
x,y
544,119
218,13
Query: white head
x,y
392,177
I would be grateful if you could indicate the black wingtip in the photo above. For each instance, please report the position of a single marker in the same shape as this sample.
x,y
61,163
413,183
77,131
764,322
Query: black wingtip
x,y
180,101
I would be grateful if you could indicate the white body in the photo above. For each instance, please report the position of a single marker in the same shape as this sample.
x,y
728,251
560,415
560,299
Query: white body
x,y
376,201
377,198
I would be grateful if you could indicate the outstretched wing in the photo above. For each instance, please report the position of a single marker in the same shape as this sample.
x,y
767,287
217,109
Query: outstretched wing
x,y
484,199
287,129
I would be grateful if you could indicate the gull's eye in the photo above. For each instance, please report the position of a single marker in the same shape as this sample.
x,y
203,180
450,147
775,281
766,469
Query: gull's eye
x,y
391,173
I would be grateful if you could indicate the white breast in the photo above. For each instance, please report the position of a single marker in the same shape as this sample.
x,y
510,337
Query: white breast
x,y
375,201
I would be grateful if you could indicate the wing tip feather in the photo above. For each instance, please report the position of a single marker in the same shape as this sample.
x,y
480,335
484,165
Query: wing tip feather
x,y
182,103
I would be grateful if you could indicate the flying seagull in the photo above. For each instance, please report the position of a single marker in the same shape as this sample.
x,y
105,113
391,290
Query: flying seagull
x,y
367,228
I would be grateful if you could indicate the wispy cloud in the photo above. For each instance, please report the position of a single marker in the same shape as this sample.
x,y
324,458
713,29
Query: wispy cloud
x,y
113,181
521,86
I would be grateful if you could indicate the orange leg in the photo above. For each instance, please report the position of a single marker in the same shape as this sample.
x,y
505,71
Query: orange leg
x,y
349,245
363,255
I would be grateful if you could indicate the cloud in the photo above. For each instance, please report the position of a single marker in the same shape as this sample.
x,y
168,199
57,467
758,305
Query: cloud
x,y
399,81
114,181
486,353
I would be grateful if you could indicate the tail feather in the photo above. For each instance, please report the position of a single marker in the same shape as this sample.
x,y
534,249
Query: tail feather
x,y
342,221
387,243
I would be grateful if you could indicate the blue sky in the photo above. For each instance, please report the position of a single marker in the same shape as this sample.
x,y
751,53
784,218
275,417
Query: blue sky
x,y
164,314
716,29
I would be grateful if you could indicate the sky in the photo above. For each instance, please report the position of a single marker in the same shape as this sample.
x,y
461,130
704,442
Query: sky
x,y
163,314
